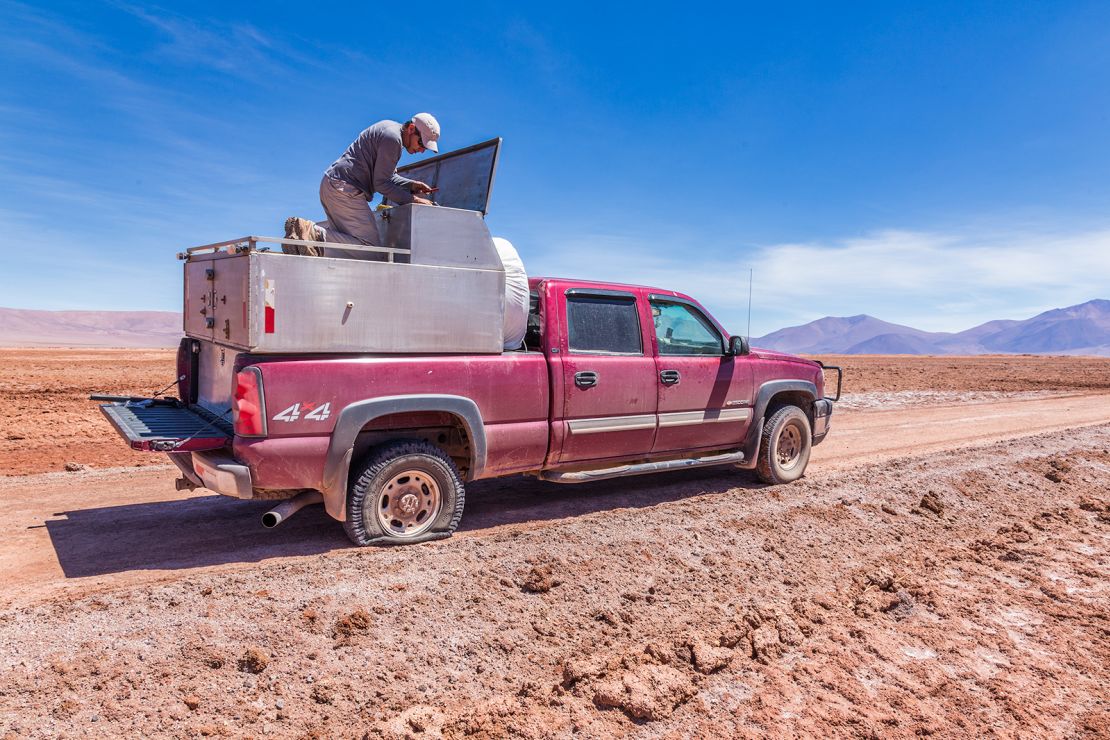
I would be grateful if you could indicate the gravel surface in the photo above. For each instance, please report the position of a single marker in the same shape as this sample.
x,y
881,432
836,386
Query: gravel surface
x,y
887,400
961,593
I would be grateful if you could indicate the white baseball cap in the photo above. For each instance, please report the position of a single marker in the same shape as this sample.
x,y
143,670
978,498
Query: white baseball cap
x,y
428,127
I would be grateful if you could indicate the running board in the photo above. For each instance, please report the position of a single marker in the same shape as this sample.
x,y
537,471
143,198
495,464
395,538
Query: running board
x,y
588,476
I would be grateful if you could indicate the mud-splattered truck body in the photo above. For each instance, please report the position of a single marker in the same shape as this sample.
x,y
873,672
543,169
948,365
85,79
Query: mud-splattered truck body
x,y
376,379
612,380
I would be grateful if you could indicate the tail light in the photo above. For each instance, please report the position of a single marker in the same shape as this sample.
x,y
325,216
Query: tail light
x,y
248,408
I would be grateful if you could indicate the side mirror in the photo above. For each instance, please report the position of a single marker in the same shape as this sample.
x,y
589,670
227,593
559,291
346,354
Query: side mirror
x,y
738,346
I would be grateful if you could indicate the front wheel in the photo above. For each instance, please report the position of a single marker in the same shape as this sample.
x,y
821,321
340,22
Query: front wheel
x,y
784,448
404,492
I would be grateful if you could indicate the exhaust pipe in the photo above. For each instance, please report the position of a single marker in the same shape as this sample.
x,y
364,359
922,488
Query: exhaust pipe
x,y
289,507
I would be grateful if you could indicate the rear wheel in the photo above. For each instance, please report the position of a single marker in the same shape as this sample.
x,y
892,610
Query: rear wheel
x,y
404,492
785,446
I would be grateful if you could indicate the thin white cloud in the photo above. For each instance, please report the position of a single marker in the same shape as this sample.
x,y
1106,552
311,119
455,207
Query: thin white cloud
x,y
146,108
931,281
239,49
939,282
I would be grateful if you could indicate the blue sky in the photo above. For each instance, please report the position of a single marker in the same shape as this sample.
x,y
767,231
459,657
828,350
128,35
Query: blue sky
x,y
936,164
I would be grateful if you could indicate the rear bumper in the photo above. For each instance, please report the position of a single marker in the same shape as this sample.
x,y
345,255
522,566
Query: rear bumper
x,y
197,441
822,419
167,425
216,471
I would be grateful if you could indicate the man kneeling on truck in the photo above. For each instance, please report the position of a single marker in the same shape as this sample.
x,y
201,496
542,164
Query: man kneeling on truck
x,y
369,165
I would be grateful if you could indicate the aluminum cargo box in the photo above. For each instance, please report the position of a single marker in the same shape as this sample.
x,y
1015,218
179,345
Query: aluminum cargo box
x,y
269,302
434,235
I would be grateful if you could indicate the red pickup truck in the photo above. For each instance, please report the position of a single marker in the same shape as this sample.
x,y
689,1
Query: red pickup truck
x,y
612,380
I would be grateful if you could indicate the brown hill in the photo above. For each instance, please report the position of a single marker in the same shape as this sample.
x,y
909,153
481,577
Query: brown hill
x,y
28,328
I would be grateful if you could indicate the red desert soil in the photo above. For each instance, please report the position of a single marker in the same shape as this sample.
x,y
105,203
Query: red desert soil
x,y
46,419
924,578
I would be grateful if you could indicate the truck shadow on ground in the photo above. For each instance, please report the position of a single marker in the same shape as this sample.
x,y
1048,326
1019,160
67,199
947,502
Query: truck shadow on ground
x,y
519,499
193,533
215,530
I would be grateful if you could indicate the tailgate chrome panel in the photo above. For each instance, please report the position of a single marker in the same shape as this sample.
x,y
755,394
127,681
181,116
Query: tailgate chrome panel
x,y
167,426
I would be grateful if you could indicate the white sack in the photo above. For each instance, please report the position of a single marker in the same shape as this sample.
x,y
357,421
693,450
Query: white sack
x,y
516,293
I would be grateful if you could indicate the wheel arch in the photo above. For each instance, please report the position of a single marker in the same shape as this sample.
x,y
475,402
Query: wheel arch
x,y
355,417
773,395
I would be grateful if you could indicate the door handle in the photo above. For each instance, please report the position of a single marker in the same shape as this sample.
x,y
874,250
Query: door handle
x,y
670,377
585,379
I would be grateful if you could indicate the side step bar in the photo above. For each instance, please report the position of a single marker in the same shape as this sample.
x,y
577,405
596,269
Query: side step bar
x,y
587,476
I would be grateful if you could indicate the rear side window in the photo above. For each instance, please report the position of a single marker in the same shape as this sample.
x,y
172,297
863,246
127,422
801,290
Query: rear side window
x,y
533,338
604,325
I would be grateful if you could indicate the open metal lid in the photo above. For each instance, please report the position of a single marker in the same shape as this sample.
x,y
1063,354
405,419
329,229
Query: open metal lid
x,y
464,177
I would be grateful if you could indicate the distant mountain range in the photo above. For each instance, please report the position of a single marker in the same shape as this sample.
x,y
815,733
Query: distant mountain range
x,y
27,328
1076,330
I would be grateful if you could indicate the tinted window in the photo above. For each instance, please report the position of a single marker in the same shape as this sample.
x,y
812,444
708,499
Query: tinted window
x,y
682,330
534,336
603,324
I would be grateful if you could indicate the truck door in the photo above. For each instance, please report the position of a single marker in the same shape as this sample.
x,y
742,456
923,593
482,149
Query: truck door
x,y
608,376
705,395
229,300
198,317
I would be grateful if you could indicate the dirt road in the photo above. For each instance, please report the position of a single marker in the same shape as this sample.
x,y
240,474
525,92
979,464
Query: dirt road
x,y
960,593
89,529
944,568
875,435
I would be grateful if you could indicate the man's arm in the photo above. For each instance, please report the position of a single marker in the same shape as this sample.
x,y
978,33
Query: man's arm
x,y
386,180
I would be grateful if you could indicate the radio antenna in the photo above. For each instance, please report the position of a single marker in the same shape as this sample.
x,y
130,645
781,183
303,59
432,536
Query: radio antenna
x,y
751,271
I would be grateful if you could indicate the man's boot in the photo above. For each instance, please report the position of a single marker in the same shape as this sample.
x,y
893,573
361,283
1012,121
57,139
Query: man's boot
x,y
304,230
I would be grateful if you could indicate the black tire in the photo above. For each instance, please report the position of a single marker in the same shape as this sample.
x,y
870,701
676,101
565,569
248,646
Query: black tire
x,y
390,498
785,446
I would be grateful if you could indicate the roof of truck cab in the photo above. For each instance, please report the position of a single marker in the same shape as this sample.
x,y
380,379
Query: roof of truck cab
x,y
579,282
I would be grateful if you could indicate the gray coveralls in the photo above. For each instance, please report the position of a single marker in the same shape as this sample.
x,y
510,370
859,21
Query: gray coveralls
x,y
369,165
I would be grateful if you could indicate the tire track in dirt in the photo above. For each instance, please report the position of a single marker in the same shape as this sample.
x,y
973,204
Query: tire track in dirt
x,y
959,593
107,528
871,436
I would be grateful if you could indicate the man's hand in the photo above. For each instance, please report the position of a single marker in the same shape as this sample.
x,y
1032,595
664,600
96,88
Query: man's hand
x,y
420,188
422,201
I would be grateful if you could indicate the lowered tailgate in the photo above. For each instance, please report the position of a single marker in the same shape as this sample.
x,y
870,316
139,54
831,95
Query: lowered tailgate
x,y
166,425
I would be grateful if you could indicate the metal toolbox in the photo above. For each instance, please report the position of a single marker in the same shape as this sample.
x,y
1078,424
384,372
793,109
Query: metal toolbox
x,y
434,235
440,289
240,296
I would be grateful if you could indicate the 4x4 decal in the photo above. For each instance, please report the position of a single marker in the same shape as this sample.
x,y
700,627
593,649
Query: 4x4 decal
x,y
313,411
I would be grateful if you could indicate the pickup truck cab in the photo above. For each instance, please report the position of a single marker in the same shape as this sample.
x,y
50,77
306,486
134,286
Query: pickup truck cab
x,y
612,380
